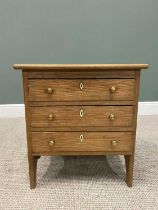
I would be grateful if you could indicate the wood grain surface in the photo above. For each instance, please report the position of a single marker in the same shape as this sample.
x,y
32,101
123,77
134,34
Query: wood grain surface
x,y
80,103
86,67
69,90
49,74
70,141
69,116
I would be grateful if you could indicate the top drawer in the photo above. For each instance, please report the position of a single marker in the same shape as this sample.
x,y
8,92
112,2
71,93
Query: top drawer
x,y
81,89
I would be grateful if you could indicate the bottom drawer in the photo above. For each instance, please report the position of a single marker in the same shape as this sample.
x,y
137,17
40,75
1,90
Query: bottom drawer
x,y
81,141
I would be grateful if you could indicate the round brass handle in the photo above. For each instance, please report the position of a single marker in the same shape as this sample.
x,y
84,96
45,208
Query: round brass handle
x,y
50,117
49,90
114,143
112,89
51,143
111,116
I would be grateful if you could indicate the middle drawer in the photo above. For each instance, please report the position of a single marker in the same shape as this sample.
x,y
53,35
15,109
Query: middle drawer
x,y
78,116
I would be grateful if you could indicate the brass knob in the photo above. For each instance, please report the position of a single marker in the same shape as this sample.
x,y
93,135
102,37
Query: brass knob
x,y
50,117
49,90
111,116
51,143
112,89
114,143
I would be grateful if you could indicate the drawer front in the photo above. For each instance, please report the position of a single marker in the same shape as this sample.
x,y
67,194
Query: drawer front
x,y
81,89
81,141
74,116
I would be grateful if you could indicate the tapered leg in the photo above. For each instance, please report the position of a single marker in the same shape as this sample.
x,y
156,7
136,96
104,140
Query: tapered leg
x,y
129,161
32,171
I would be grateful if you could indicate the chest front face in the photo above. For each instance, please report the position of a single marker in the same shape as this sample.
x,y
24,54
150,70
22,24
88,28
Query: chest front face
x,y
97,105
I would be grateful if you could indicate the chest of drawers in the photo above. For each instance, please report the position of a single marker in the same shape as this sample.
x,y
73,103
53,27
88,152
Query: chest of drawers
x,y
81,109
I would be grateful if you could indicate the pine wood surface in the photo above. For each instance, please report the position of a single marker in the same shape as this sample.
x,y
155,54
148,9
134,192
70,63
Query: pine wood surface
x,y
76,74
70,141
69,116
92,89
86,67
